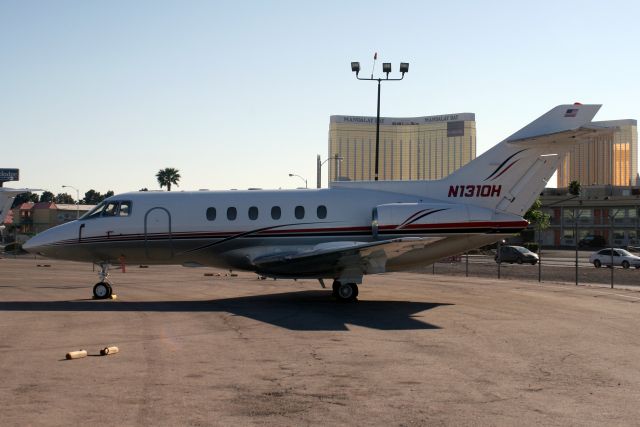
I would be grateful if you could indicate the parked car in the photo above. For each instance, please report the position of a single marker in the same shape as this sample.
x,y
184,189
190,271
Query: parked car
x,y
592,241
620,257
517,254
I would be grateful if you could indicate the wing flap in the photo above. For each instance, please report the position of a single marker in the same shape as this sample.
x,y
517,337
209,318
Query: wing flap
x,y
343,260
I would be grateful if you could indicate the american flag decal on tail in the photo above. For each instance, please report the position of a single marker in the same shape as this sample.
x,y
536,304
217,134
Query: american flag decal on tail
x,y
571,112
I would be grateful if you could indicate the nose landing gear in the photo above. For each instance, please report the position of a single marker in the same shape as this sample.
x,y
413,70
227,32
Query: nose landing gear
x,y
102,289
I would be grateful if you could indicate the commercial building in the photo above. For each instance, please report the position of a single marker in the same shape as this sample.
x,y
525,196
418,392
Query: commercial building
x,y
609,203
32,218
415,148
607,211
608,160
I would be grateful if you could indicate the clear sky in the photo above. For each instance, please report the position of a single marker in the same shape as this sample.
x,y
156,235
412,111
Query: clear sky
x,y
103,94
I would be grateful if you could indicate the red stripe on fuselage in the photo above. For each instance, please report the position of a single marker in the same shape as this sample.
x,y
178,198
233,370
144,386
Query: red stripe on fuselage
x,y
300,231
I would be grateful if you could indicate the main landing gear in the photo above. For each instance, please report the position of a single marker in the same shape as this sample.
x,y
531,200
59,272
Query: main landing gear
x,y
102,289
345,291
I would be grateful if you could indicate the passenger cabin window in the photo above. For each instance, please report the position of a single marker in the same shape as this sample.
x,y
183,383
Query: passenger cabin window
x,y
321,212
276,213
299,212
232,213
253,213
211,214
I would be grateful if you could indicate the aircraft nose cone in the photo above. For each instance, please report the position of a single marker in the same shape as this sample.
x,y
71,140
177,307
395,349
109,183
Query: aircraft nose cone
x,y
45,243
32,245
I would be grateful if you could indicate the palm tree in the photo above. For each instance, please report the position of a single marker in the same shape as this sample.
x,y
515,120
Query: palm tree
x,y
168,176
575,188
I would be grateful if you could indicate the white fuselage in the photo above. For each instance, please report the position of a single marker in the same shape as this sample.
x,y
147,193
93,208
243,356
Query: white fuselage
x,y
231,228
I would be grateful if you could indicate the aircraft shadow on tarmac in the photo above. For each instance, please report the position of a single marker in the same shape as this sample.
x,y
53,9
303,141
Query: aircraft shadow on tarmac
x,y
299,311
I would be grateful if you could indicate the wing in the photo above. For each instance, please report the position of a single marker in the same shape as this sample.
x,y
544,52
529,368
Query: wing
x,y
346,261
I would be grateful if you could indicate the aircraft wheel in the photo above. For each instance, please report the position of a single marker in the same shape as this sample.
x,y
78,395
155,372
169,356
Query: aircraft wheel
x,y
102,290
347,292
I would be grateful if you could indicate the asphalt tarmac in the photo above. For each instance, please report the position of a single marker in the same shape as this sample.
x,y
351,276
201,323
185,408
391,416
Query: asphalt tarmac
x,y
416,349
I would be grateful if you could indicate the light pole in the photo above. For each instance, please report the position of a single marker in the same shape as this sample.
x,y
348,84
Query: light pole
x,y
498,248
319,164
612,218
77,199
576,218
386,68
305,181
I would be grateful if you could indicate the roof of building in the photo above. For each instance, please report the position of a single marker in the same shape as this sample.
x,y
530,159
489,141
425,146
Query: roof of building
x,y
367,120
44,205
57,206
623,122
70,207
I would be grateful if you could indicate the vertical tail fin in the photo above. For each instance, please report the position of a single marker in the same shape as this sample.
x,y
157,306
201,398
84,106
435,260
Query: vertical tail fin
x,y
6,200
510,175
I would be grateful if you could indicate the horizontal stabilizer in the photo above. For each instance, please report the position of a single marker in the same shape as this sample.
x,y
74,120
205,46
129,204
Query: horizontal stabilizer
x,y
571,136
559,119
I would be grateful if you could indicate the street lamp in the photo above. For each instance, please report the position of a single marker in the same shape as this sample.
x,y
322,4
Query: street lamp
x,y
305,181
77,199
386,68
319,164
612,218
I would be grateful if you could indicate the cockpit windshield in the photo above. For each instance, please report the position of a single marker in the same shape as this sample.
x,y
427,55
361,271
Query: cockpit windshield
x,y
108,209
95,212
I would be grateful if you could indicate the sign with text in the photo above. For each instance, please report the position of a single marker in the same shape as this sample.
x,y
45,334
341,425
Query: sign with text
x,y
9,175
399,121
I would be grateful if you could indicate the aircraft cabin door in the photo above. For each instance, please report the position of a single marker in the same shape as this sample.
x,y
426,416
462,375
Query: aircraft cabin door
x,y
374,223
158,241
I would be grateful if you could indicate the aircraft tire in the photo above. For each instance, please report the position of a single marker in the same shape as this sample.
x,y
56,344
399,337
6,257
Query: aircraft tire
x,y
102,290
347,292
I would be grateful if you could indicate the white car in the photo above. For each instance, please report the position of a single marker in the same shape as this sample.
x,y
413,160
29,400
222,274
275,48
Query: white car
x,y
620,257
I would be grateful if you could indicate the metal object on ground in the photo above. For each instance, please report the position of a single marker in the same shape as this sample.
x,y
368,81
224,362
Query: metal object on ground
x,y
109,350
76,354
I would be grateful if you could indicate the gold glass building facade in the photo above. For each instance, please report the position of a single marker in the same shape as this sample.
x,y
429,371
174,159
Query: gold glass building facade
x,y
415,148
607,160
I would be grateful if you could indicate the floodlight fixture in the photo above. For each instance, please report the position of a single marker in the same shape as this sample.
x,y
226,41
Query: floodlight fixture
x,y
386,68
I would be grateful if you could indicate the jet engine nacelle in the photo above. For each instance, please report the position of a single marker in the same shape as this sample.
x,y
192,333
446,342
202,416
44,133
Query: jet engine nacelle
x,y
416,216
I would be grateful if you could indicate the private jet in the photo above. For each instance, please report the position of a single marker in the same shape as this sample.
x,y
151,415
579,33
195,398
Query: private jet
x,y
341,233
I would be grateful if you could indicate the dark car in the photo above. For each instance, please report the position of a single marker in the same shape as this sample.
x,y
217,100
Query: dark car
x,y
517,254
592,241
